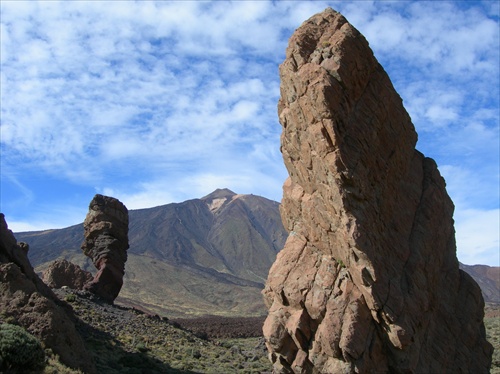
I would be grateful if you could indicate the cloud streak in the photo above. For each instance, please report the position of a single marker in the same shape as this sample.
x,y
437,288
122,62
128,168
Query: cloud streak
x,y
155,102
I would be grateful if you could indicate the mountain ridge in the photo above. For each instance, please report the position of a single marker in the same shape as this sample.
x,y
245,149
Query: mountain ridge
x,y
195,257
189,258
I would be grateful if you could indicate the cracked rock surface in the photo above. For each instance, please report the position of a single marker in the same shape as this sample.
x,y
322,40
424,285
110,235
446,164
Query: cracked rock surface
x,y
368,280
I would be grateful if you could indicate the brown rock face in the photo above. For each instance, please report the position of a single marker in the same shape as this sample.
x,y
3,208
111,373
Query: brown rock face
x,y
26,299
368,280
64,273
106,243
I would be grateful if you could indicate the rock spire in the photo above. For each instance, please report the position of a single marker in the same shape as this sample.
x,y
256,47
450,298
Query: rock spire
x,y
368,280
106,243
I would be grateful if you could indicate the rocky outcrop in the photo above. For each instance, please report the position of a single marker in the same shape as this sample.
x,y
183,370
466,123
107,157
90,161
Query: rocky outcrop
x,y
62,273
368,280
106,243
28,302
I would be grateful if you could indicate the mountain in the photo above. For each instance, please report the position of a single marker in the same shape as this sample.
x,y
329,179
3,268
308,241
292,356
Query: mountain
x,y
488,278
201,256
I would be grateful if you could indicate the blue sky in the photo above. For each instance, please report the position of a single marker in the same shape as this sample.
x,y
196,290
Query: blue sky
x,y
160,102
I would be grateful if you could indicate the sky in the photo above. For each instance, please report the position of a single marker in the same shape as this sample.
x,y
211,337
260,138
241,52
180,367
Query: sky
x,y
161,102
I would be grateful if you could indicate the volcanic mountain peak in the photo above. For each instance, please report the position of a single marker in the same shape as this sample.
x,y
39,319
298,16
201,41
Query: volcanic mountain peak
x,y
219,193
184,258
218,198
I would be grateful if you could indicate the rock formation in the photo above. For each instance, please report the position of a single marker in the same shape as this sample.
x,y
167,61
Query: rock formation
x,y
28,302
106,243
64,273
368,280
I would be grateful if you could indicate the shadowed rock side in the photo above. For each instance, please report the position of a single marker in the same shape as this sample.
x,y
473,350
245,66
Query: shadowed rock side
x,y
106,243
368,280
25,299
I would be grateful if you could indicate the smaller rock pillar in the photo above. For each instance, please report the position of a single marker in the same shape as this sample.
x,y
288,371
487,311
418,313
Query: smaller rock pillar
x,y
106,243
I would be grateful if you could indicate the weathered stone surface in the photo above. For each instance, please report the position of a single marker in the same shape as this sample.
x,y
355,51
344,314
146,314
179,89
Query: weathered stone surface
x,y
32,305
64,273
368,280
106,243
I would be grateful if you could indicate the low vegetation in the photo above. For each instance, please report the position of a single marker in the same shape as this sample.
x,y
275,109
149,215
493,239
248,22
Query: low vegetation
x,y
19,350
492,324
126,340
218,327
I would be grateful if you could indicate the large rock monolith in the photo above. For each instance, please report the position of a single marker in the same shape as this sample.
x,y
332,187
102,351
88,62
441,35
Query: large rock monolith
x,y
106,243
368,280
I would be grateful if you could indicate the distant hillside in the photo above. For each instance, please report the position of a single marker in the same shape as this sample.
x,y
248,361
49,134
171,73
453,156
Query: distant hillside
x,y
488,278
201,256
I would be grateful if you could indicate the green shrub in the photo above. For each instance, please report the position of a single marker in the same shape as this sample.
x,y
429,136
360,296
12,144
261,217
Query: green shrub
x,y
19,350
141,347
70,297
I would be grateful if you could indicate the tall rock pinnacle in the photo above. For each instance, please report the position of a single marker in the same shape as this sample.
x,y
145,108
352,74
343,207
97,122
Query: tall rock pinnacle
x,y
106,243
368,280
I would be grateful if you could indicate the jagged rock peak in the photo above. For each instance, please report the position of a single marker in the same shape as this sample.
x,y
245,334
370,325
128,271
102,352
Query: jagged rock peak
x,y
368,280
106,243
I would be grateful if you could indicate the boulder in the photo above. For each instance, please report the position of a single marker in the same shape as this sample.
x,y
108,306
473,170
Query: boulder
x,y
106,243
62,273
368,280
25,300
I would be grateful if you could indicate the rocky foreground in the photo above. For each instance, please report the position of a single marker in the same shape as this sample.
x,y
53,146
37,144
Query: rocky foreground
x,y
126,340
82,332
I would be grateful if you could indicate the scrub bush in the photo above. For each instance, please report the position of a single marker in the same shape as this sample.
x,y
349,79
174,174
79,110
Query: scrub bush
x,y
19,350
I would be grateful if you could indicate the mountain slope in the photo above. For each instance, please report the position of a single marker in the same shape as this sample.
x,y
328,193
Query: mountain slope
x,y
488,278
201,256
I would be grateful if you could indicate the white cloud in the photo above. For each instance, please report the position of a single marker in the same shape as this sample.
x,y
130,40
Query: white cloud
x,y
468,189
163,101
186,185
150,195
476,215
477,235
